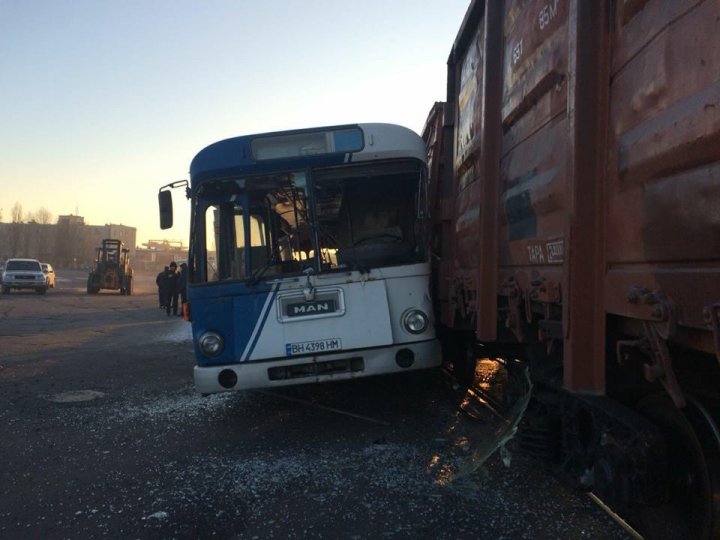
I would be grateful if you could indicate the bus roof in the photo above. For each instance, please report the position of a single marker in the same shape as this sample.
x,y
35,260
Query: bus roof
x,y
297,149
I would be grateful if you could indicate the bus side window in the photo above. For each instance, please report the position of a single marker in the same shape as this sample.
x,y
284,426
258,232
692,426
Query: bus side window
x,y
211,231
258,250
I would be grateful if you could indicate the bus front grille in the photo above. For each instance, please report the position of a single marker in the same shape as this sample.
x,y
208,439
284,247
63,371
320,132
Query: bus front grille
x,y
316,369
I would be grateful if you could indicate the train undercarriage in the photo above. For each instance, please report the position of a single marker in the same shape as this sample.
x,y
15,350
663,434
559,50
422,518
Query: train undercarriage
x,y
655,464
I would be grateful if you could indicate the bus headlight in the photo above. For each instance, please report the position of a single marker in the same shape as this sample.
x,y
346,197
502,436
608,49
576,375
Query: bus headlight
x,y
415,321
211,343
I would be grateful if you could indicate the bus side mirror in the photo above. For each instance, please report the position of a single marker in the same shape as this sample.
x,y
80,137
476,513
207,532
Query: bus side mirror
x,y
166,209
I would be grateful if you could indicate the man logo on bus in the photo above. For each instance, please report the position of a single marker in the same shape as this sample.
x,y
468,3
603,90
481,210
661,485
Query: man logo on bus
x,y
311,308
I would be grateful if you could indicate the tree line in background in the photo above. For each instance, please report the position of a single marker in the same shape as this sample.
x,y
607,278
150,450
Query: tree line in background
x,y
28,234
42,215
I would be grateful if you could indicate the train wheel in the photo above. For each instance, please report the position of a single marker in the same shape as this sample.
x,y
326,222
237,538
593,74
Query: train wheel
x,y
688,512
709,435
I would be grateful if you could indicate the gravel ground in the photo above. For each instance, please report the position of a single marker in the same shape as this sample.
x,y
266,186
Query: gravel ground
x,y
103,436
277,465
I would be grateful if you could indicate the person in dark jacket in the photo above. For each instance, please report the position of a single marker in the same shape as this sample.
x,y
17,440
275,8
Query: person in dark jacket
x,y
161,283
172,289
182,286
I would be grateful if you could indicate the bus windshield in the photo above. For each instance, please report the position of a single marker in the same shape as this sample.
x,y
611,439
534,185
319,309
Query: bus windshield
x,y
333,219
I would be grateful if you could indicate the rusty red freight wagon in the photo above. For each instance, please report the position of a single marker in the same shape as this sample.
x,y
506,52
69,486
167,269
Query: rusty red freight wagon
x,y
576,174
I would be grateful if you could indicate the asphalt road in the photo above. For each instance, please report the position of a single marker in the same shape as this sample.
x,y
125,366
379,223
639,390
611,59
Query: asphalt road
x,y
103,436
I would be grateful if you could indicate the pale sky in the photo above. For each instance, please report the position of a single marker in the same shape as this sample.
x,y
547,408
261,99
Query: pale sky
x,y
104,101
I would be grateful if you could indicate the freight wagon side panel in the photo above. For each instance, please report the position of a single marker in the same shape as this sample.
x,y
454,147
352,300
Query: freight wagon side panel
x,y
514,224
663,189
466,82
474,94
554,119
533,176
440,195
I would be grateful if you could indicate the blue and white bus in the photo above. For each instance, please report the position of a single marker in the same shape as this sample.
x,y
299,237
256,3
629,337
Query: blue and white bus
x,y
308,257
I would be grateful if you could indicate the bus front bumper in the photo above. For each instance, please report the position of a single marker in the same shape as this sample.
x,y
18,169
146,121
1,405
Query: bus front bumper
x,y
318,369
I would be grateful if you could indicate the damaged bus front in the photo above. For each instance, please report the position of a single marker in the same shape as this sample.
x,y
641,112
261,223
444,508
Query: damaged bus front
x,y
308,257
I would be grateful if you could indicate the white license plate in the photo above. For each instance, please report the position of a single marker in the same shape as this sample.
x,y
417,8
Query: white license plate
x,y
312,347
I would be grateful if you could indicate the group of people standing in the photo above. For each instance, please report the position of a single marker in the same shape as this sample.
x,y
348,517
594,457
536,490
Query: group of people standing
x,y
172,286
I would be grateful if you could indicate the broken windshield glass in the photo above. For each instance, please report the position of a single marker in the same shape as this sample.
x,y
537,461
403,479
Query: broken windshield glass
x,y
267,226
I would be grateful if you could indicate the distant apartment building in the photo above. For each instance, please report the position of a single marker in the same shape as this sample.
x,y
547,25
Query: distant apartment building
x,y
71,243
